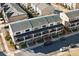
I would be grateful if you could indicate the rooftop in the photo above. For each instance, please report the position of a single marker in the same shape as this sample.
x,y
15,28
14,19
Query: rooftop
x,y
14,12
38,21
45,8
73,13
54,18
33,22
18,26
14,8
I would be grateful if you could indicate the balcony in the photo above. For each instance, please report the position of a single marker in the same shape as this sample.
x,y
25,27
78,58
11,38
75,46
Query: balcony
x,y
60,28
72,25
19,39
74,29
22,45
46,37
54,35
39,40
37,34
43,30
52,30
28,37
74,21
31,43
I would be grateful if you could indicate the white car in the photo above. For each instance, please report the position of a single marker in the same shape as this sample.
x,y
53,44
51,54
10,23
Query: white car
x,y
63,49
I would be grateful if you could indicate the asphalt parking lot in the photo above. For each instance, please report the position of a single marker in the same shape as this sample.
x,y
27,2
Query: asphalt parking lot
x,y
58,44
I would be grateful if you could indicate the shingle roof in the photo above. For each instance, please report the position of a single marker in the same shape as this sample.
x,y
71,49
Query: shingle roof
x,y
12,7
34,22
38,21
73,14
45,9
19,10
20,26
53,18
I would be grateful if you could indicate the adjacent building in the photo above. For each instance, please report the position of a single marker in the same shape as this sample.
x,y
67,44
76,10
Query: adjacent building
x,y
12,12
71,20
70,6
43,8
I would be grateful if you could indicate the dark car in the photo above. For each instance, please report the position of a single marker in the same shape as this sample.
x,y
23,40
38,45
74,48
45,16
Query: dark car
x,y
63,38
48,43
73,45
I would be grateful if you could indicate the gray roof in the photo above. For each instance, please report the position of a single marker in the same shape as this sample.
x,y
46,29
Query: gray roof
x,y
45,9
73,14
20,26
15,9
40,5
19,9
53,18
34,22
38,21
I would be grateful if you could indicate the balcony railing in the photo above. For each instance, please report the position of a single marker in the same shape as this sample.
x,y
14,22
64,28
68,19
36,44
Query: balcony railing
x,y
28,37
37,34
40,30
54,35
19,39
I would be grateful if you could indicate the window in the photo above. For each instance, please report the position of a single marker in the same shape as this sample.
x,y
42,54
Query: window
x,y
44,32
59,28
18,33
72,24
35,28
52,30
77,23
37,34
44,26
27,30
51,24
19,39
28,36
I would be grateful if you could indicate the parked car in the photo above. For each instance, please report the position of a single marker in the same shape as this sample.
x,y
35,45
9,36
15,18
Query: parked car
x,y
62,38
48,43
63,49
73,45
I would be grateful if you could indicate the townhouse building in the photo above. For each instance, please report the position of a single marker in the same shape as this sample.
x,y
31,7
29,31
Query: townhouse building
x,y
36,31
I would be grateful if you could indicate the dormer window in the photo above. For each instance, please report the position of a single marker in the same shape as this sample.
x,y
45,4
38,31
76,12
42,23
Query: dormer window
x,y
27,30
51,24
44,26
18,33
35,28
